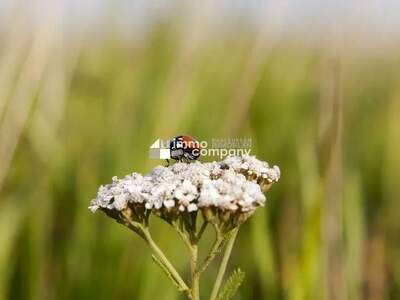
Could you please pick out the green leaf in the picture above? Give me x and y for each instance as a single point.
(231, 285)
(165, 269)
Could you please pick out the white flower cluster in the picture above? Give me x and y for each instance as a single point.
(235, 184)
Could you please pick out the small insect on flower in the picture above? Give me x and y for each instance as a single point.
(184, 148)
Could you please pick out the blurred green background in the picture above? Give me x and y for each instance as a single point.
(85, 88)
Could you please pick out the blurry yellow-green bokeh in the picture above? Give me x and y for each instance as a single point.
(78, 106)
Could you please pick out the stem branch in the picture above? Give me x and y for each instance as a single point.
(224, 263)
(161, 256)
(182, 234)
(144, 232)
(195, 291)
(216, 248)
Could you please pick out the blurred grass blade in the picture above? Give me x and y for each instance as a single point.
(354, 230)
(263, 253)
(11, 216)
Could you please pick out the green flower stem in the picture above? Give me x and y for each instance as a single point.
(143, 231)
(224, 263)
(216, 248)
(161, 256)
(183, 236)
(195, 291)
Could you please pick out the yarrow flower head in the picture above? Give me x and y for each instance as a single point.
(225, 192)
